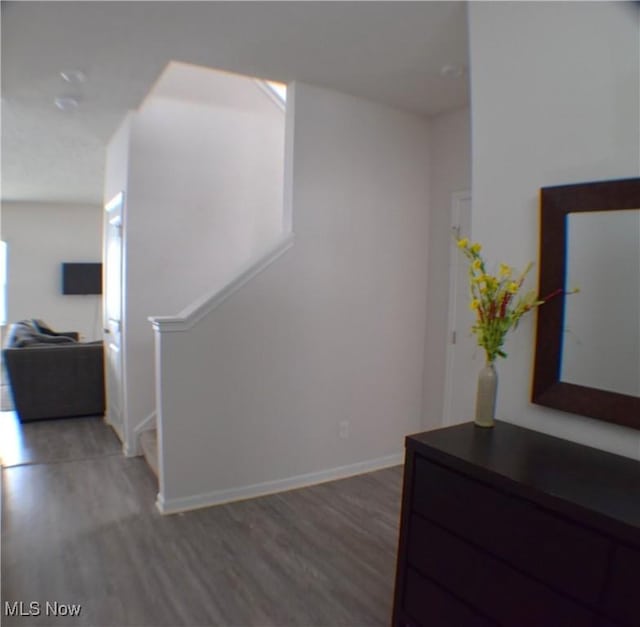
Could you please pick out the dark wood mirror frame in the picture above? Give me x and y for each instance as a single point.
(548, 389)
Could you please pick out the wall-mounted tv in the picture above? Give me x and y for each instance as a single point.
(82, 278)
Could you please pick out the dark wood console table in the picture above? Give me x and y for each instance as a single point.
(511, 527)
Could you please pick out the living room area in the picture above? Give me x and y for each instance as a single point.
(51, 299)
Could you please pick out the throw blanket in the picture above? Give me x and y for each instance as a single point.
(33, 332)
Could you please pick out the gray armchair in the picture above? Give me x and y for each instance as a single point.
(56, 377)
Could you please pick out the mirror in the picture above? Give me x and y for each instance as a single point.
(601, 342)
(587, 358)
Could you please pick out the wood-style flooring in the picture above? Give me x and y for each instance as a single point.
(79, 526)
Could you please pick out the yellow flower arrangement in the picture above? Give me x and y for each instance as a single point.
(495, 300)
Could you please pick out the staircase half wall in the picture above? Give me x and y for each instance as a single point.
(310, 366)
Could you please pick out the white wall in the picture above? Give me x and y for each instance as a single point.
(40, 238)
(450, 150)
(203, 195)
(116, 175)
(555, 93)
(332, 331)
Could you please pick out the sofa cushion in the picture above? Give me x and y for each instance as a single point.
(52, 339)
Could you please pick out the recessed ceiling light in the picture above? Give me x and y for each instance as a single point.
(73, 76)
(67, 103)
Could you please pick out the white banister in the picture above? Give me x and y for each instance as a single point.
(189, 316)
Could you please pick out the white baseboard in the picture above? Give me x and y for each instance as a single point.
(217, 497)
(130, 451)
(133, 449)
(117, 428)
(127, 450)
(149, 423)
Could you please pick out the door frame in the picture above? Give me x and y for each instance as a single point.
(117, 202)
(460, 202)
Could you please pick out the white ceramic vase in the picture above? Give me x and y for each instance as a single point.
(486, 397)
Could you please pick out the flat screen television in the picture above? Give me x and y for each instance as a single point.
(82, 278)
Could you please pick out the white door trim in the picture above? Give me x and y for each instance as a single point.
(459, 200)
(114, 217)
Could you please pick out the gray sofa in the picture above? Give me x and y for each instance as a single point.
(51, 374)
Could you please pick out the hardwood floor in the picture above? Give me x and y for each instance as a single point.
(46, 441)
(81, 527)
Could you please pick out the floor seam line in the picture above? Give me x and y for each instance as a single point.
(61, 461)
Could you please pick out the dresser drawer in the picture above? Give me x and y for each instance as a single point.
(429, 604)
(486, 583)
(623, 592)
(567, 556)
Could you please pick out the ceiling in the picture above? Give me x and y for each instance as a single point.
(390, 52)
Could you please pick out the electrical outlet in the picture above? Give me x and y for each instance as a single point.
(343, 429)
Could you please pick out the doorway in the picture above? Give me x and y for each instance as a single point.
(112, 317)
(459, 395)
